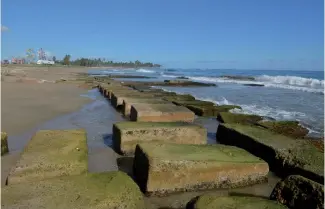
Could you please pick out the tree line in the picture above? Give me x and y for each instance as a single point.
(98, 62)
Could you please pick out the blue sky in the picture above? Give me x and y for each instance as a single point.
(250, 34)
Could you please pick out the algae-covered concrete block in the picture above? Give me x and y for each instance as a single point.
(227, 117)
(51, 153)
(4, 143)
(128, 102)
(160, 113)
(110, 91)
(126, 135)
(288, 128)
(86, 191)
(298, 192)
(118, 97)
(285, 155)
(161, 168)
(233, 202)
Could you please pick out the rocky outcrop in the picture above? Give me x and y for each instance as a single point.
(285, 155)
(126, 135)
(49, 154)
(298, 192)
(160, 113)
(238, 77)
(4, 143)
(86, 191)
(162, 168)
(233, 202)
(227, 117)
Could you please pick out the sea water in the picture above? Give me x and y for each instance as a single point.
(285, 95)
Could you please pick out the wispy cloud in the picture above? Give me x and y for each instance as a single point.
(4, 28)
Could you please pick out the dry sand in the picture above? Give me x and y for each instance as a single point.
(29, 96)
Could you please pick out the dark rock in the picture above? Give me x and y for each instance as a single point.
(253, 84)
(238, 77)
(298, 192)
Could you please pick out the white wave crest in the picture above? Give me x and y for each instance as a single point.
(292, 80)
(284, 82)
(145, 71)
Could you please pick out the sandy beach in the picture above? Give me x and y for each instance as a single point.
(31, 97)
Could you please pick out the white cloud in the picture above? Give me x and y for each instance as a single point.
(4, 28)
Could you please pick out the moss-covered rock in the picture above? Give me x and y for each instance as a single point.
(118, 97)
(161, 168)
(194, 102)
(285, 155)
(227, 117)
(126, 135)
(4, 143)
(51, 153)
(160, 113)
(288, 128)
(298, 192)
(233, 202)
(88, 191)
(211, 110)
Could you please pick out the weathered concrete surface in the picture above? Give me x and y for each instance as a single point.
(286, 156)
(227, 117)
(51, 153)
(180, 97)
(160, 113)
(298, 192)
(95, 191)
(128, 102)
(233, 202)
(287, 128)
(4, 143)
(126, 135)
(211, 110)
(161, 168)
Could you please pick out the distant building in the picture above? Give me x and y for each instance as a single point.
(5, 62)
(17, 61)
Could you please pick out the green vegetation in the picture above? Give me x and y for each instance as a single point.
(108, 63)
(234, 202)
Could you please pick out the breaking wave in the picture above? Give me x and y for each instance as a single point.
(144, 71)
(285, 82)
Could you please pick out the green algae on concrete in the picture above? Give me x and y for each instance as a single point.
(89, 191)
(195, 102)
(51, 153)
(127, 103)
(233, 202)
(211, 110)
(118, 97)
(160, 113)
(126, 135)
(162, 168)
(288, 128)
(298, 192)
(285, 155)
(180, 97)
(4, 143)
(227, 117)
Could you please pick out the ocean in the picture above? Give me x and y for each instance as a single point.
(286, 95)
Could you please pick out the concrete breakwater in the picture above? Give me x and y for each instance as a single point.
(169, 157)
